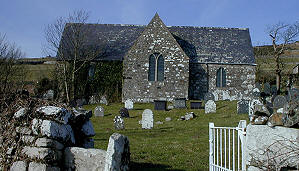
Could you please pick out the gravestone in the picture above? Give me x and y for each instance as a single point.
(252, 104)
(147, 119)
(209, 96)
(160, 104)
(180, 103)
(273, 90)
(49, 95)
(293, 95)
(210, 107)
(99, 111)
(243, 106)
(124, 112)
(279, 102)
(104, 100)
(258, 85)
(119, 122)
(267, 88)
(196, 105)
(256, 92)
(129, 104)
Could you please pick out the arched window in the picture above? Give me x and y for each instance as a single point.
(152, 68)
(156, 67)
(221, 78)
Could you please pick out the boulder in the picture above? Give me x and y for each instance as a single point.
(33, 166)
(266, 146)
(259, 120)
(81, 159)
(88, 143)
(53, 130)
(261, 110)
(19, 166)
(118, 153)
(60, 115)
(275, 120)
(45, 154)
(20, 113)
(87, 129)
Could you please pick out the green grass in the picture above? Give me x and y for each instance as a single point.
(174, 145)
(39, 71)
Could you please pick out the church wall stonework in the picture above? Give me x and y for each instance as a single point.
(156, 38)
(240, 81)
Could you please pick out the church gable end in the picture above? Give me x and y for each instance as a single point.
(155, 68)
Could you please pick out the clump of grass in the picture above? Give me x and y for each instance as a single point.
(174, 145)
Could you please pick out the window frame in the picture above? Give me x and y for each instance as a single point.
(156, 56)
(221, 77)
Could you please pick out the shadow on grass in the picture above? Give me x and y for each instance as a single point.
(108, 114)
(222, 107)
(150, 167)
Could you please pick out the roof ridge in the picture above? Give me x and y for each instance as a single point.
(224, 28)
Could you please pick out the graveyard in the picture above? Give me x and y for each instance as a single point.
(172, 145)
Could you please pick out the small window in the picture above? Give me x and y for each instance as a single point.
(221, 78)
(156, 67)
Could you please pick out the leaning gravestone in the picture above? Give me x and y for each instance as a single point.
(279, 102)
(210, 107)
(147, 119)
(119, 122)
(293, 95)
(99, 111)
(129, 104)
(209, 96)
(243, 106)
(124, 112)
(267, 88)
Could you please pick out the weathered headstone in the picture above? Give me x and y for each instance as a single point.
(209, 96)
(160, 104)
(273, 90)
(147, 119)
(210, 107)
(124, 112)
(118, 153)
(119, 122)
(243, 106)
(94, 99)
(258, 85)
(252, 104)
(129, 104)
(49, 95)
(99, 111)
(180, 103)
(256, 92)
(293, 95)
(104, 100)
(196, 105)
(267, 88)
(279, 101)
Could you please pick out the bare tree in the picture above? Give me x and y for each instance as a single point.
(10, 71)
(281, 35)
(68, 38)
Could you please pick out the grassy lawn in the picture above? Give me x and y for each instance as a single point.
(174, 145)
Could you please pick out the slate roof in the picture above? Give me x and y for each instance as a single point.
(201, 44)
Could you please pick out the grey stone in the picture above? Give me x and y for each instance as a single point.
(34, 166)
(273, 90)
(209, 96)
(88, 143)
(243, 106)
(60, 114)
(49, 95)
(159, 123)
(46, 142)
(19, 166)
(279, 101)
(119, 122)
(94, 99)
(267, 88)
(167, 119)
(124, 112)
(147, 119)
(81, 114)
(118, 153)
(169, 107)
(81, 159)
(252, 105)
(189, 116)
(10, 150)
(23, 130)
(258, 85)
(261, 110)
(259, 120)
(129, 104)
(45, 154)
(53, 129)
(99, 111)
(256, 92)
(87, 129)
(180, 103)
(27, 139)
(291, 114)
(104, 100)
(210, 107)
(271, 146)
(293, 94)
(20, 113)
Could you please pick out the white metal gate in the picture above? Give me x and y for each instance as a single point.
(227, 148)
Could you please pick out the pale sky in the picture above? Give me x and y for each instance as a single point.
(24, 21)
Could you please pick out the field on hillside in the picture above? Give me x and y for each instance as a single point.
(174, 145)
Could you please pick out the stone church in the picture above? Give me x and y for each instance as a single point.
(167, 62)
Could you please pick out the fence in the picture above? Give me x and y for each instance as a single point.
(227, 148)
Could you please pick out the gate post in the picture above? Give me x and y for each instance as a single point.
(242, 134)
(211, 141)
